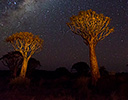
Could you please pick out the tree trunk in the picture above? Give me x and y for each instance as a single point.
(15, 71)
(24, 68)
(93, 64)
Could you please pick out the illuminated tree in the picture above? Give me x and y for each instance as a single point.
(92, 27)
(27, 44)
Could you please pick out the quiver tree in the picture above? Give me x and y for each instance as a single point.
(27, 44)
(92, 27)
(13, 60)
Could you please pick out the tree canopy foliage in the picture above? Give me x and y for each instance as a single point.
(26, 43)
(92, 27)
(81, 68)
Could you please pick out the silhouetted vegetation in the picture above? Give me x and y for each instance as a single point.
(13, 60)
(82, 68)
(62, 71)
(49, 85)
(103, 71)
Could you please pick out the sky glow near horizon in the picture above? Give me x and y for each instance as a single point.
(62, 48)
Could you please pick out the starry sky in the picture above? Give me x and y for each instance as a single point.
(62, 48)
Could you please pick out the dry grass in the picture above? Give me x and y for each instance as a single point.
(63, 88)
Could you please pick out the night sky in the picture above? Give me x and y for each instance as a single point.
(62, 48)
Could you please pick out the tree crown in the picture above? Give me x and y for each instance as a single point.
(92, 27)
(25, 42)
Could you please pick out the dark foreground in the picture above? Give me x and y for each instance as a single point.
(50, 86)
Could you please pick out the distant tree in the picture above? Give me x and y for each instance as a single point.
(32, 65)
(92, 27)
(13, 60)
(27, 44)
(81, 68)
(103, 71)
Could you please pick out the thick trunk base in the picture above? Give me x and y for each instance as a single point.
(94, 65)
(24, 68)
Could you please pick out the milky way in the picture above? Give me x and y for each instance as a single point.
(62, 48)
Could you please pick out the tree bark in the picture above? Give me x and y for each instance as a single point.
(24, 68)
(94, 64)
